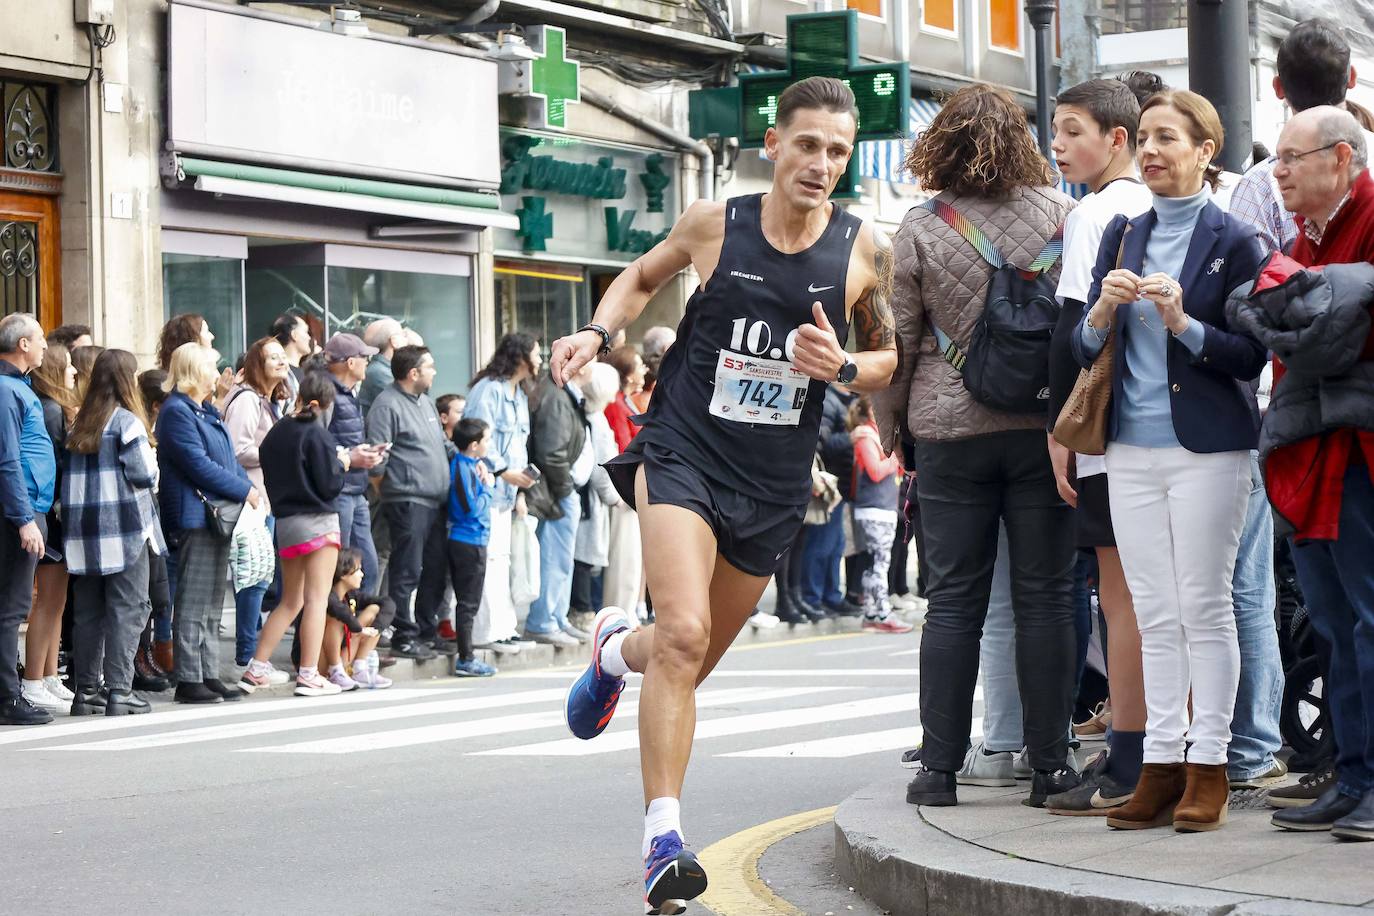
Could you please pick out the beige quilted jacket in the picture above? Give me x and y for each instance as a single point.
(937, 273)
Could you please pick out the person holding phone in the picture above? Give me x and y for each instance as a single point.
(346, 359)
(498, 397)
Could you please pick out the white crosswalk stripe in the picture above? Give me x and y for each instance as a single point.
(452, 731)
(803, 673)
(97, 724)
(715, 728)
(889, 739)
(320, 720)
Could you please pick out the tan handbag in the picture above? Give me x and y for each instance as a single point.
(1082, 423)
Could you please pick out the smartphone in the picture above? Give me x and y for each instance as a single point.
(382, 447)
(533, 473)
(51, 554)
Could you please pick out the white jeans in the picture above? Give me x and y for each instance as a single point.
(496, 615)
(1178, 517)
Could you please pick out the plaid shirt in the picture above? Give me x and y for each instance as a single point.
(1256, 200)
(109, 510)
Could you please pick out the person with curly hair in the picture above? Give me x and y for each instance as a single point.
(978, 467)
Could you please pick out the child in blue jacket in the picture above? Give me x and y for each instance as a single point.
(469, 527)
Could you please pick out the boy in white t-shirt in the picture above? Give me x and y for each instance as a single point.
(1094, 143)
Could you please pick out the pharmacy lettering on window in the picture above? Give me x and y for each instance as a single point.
(584, 200)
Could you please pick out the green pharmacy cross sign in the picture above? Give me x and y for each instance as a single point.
(554, 78)
(818, 44)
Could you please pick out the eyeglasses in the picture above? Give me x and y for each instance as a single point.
(1291, 159)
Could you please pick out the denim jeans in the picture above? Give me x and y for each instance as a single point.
(557, 538)
(355, 530)
(1255, 725)
(162, 618)
(1339, 587)
(1002, 728)
(821, 561)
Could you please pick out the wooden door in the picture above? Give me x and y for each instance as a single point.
(30, 257)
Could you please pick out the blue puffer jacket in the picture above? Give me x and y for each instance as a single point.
(194, 453)
(348, 429)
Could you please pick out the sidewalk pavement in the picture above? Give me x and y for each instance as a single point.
(992, 855)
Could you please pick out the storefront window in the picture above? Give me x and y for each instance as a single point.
(538, 299)
(436, 306)
(213, 287)
(273, 291)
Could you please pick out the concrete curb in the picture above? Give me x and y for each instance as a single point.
(901, 862)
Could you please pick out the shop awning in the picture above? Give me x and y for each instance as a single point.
(454, 207)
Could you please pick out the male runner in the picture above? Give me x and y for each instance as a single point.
(721, 471)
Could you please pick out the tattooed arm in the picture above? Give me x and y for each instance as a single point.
(817, 350)
(874, 329)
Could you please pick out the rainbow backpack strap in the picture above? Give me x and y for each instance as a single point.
(960, 223)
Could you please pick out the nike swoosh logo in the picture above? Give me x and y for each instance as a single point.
(818, 289)
(1097, 801)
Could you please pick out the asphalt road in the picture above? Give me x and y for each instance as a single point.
(440, 797)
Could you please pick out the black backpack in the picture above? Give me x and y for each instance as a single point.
(1007, 364)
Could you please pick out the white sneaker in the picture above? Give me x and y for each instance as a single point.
(58, 689)
(36, 692)
(378, 680)
(339, 678)
(901, 602)
(763, 621)
(316, 686)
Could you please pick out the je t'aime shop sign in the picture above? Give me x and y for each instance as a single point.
(260, 90)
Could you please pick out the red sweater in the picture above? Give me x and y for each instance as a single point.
(618, 414)
(1304, 479)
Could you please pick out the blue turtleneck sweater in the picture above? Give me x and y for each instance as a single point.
(1145, 417)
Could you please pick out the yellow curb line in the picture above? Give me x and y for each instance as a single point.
(779, 643)
(732, 865)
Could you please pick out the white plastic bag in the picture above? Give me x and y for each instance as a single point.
(252, 559)
(524, 560)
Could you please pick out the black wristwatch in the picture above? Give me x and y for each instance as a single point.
(605, 336)
(848, 372)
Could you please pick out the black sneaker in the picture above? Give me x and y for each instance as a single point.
(19, 711)
(1043, 785)
(1320, 815)
(1358, 824)
(416, 650)
(125, 703)
(1304, 792)
(911, 759)
(197, 693)
(935, 788)
(88, 702)
(1094, 796)
(850, 608)
(229, 693)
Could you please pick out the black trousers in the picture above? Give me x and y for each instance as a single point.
(467, 570)
(965, 487)
(418, 535)
(16, 600)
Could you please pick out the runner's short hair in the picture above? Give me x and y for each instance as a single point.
(1109, 102)
(824, 92)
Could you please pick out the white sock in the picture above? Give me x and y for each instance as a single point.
(642, 610)
(259, 669)
(335, 669)
(664, 815)
(612, 662)
(36, 685)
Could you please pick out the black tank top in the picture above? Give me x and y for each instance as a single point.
(727, 400)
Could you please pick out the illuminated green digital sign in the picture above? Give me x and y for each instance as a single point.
(827, 44)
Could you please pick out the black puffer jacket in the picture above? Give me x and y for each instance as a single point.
(1316, 322)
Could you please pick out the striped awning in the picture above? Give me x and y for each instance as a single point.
(882, 159)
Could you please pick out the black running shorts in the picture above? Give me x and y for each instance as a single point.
(752, 535)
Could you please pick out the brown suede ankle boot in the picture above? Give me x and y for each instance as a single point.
(162, 654)
(1161, 786)
(1203, 806)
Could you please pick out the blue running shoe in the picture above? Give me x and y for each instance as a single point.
(472, 668)
(592, 698)
(672, 876)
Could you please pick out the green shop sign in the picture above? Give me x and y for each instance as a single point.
(553, 185)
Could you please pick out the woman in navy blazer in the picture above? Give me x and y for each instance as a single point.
(1183, 421)
(195, 459)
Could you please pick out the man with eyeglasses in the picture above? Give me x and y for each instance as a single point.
(1313, 69)
(1324, 483)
